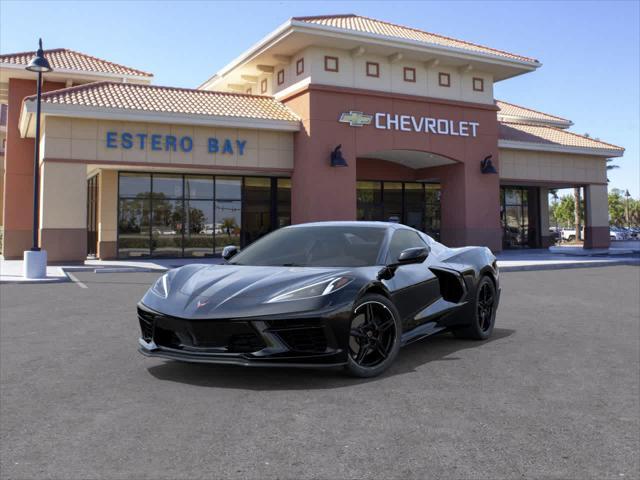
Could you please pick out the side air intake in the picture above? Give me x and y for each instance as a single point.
(452, 288)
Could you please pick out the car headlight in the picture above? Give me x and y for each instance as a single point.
(317, 289)
(161, 287)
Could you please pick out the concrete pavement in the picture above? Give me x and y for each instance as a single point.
(554, 394)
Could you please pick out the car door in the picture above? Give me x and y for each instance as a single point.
(413, 287)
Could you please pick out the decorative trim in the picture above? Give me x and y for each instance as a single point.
(280, 77)
(300, 66)
(384, 95)
(328, 60)
(263, 86)
(128, 115)
(373, 69)
(248, 91)
(554, 147)
(444, 79)
(171, 166)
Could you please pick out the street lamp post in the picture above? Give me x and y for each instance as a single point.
(626, 208)
(35, 260)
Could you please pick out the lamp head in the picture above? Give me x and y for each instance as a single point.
(39, 62)
(337, 160)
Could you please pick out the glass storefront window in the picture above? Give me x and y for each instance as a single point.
(412, 203)
(135, 185)
(392, 202)
(283, 202)
(518, 217)
(133, 227)
(256, 217)
(369, 200)
(196, 215)
(199, 228)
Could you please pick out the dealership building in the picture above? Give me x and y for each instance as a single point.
(337, 117)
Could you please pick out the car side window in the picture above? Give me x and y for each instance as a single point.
(401, 240)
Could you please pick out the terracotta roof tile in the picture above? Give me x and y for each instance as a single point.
(152, 98)
(65, 59)
(513, 110)
(517, 132)
(370, 25)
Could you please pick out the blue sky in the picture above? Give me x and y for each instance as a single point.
(589, 50)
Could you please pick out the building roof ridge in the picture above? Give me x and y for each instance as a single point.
(445, 37)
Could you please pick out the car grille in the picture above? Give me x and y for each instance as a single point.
(223, 336)
(300, 335)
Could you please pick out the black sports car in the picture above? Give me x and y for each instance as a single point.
(321, 294)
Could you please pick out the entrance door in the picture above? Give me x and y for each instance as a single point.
(519, 217)
(92, 216)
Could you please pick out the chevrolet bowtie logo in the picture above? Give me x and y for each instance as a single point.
(355, 119)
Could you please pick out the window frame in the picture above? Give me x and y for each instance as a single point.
(263, 85)
(397, 231)
(327, 59)
(377, 67)
(300, 66)
(407, 70)
(480, 82)
(280, 76)
(441, 79)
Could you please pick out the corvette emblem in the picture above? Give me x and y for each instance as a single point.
(201, 303)
(355, 119)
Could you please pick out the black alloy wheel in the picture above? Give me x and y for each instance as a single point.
(485, 306)
(484, 312)
(374, 338)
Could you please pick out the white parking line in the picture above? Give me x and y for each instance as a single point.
(75, 280)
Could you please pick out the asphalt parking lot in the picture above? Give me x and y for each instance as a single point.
(554, 394)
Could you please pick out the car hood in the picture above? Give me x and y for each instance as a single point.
(231, 291)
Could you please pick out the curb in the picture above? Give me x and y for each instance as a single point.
(566, 266)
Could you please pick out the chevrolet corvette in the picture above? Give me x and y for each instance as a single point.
(323, 294)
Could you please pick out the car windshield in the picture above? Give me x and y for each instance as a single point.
(315, 246)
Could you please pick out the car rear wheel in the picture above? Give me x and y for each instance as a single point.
(374, 338)
(484, 309)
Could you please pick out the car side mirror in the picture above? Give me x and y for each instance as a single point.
(406, 257)
(229, 251)
(413, 255)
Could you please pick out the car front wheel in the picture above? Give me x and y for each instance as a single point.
(374, 339)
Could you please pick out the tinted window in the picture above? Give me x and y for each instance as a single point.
(401, 240)
(340, 246)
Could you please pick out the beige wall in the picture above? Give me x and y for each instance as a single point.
(63, 195)
(108, 206)
(552, 167)
(80, 139)
(352, 73)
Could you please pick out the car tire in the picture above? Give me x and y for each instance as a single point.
(571, 238)
(363, 336)
(482, 324)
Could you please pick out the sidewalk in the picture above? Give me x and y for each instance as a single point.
(508, 261)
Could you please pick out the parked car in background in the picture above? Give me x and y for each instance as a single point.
(618, 234)
(569, 234)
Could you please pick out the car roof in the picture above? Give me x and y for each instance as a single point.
(351, 223)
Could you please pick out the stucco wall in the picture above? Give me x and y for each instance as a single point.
(85, 140)
(551, 167)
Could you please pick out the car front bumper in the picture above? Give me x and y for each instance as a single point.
(287, 341)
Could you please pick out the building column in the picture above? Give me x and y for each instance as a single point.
(318, 190)
(63, 211)
(546, 240)
(18, 174)
(107, 214)
(596, 216)
(470, 206)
